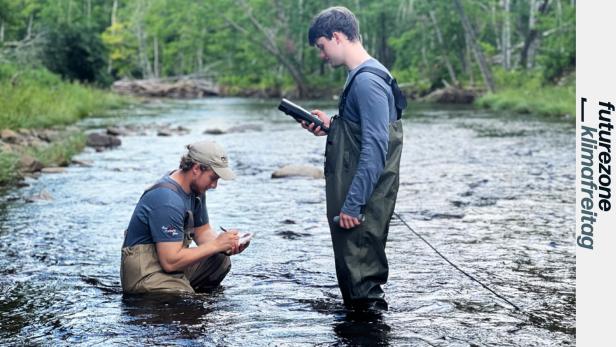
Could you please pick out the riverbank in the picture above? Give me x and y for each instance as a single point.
(530, 93)
(550, 101)
(37, 107)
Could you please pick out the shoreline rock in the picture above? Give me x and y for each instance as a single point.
(452, 95)
(295, 170)
(182, 88)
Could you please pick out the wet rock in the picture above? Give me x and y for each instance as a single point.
(291, 235)
(167, 131)
(52, 170)
(298, 171)
(182, 130)
(49, 135)
(102, 141)
(42, 196)
(242, 128)
(28, 164)
(21, 184)
(85, 163)
(8, 136)
(116, 131)
(214, 131)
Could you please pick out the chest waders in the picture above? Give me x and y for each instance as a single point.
(361, 263)
(141, 272)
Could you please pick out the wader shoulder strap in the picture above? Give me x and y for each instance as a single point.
(189, 224)
(161, 185)
(399, 98)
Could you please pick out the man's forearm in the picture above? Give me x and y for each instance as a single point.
(204, 234)
(184, 257)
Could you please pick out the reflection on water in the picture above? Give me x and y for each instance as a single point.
(494, 193)
(362, 328)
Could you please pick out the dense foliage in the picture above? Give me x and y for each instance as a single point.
(262, 44)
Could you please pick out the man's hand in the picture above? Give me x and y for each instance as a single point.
(348, 222)
(311, 127)
(227, 242)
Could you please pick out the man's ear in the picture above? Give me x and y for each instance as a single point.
(338, 36)
(196, 169)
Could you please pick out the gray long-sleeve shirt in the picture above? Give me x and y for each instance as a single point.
(370, 103)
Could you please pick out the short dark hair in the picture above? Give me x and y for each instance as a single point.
(337, 18)
(187, 163)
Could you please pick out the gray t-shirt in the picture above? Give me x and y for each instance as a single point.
(159, 215)
(370, 103)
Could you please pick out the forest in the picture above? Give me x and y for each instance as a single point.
(494, 45)
(59, 58)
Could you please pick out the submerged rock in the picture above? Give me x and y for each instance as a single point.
(298, 171)
(242, 128)
(102, 141)
(214, 131)
(52, 170)
(42, 196)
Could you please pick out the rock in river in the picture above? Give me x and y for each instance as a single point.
(298, 171)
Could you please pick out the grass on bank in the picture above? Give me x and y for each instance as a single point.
(36, 98)
(527, 93)
(58, 153)
(8, 167)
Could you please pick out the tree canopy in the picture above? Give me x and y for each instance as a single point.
(262, 44)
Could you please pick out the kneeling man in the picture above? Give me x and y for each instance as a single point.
(171, 214)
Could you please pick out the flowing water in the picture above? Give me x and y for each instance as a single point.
(493, 192)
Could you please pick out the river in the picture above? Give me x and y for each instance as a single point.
(493, 192)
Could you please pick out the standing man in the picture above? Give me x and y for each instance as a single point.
(362, 159)
(169, 216)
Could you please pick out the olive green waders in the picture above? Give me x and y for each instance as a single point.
(140, 270)
(361, 263)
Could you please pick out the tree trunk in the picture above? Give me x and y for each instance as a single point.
(301, 41)
(200, 49)
(156, 65)
(559, 24)
(89, 11)
(483, 65)
(29, 31)
(469, 61)
(267, 41)
(531, 40)
(114, 10)
(69, 12)
(499, 41)
(1, 31)
(506, 33)
(441, 43)
(146, 68)
(384, 52)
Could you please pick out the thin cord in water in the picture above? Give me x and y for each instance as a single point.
(454, 265)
